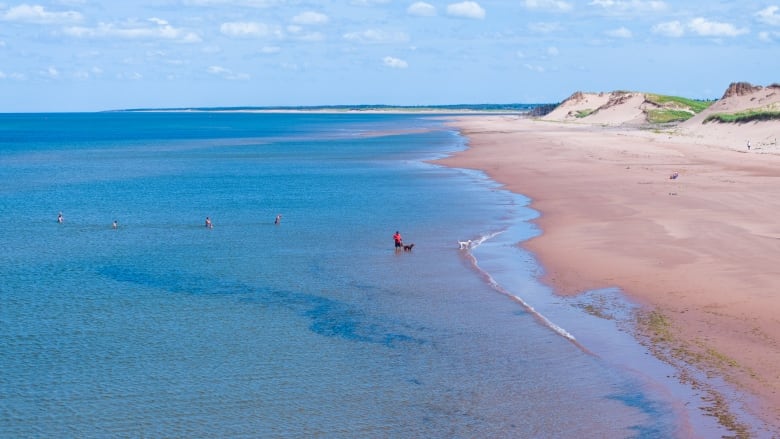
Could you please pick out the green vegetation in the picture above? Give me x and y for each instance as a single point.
(599, 311)
(744, 116)
(583, 113)
(695, 105)
(657, 326)
(666, 346)
(668, 116)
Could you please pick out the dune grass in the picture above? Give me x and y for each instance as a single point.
(583, 113)
(695, 105)
(744, 116)
(668, 115)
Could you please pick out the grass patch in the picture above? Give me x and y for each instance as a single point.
(668, 115)
(695, 105)
(744, 116)
(583, 113)
(597, 311)
(657, 326)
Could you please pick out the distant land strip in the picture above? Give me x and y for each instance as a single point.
(522, 108)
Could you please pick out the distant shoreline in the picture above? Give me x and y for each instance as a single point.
(423, 109)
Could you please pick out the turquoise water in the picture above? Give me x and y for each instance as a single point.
(313, 327)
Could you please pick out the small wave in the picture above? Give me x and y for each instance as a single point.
(496, 286)
(477, 242)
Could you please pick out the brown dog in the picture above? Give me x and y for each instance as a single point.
(408, 247)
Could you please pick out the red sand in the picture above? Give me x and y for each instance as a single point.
(703, 248)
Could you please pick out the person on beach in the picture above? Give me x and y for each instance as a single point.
(115, 225)
(59, 218)
(748, 145)
(208, 223)
(399, 242)
(278, 219)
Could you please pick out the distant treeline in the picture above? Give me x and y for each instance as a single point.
(542, 110)
(514, 108)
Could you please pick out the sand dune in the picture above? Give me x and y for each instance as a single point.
(740, 97)
(631, 110)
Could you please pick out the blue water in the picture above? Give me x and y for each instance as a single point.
(314, 327)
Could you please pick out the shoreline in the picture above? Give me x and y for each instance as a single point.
(696, 252)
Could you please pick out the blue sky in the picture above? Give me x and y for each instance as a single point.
(84, 55)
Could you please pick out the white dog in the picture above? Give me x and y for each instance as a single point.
(464, 245)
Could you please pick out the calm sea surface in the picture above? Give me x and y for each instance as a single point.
(313, 327)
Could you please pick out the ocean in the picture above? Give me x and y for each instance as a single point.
(312, 327)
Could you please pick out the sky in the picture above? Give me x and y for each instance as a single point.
(93, 55)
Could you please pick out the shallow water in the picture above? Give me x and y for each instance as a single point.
(313, 327)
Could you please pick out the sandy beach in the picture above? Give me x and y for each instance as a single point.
(700, 251)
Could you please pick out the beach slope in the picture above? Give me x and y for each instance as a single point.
(683, 219)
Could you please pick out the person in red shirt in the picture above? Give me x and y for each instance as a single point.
(399, 242)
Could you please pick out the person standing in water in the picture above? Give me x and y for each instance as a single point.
(278, 219)
(399, 242)
(59, 218)
(208, 223)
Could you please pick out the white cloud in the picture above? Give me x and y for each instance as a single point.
(769, 15)
(250, 29)
(669, 29)
(620, 32)
(553, 51)
(377, 36)
(299, 33)
(308, 36)
(395, 63)
(623, 6)
(270, 49)
(13, 75)
(544, 28)
(227, 73)
(217, 70)
(310, 18)
(369, 2)
(535, 68)
(39, 15)
(768, 37)
(466, 9)
(699, 26)
(421, 9)
(131, 76)
(51, 72)
(134, 30)
(706, 28)
(248, 3)
(550, 5)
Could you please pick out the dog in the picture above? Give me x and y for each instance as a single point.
(408, 247)
(464, 245)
